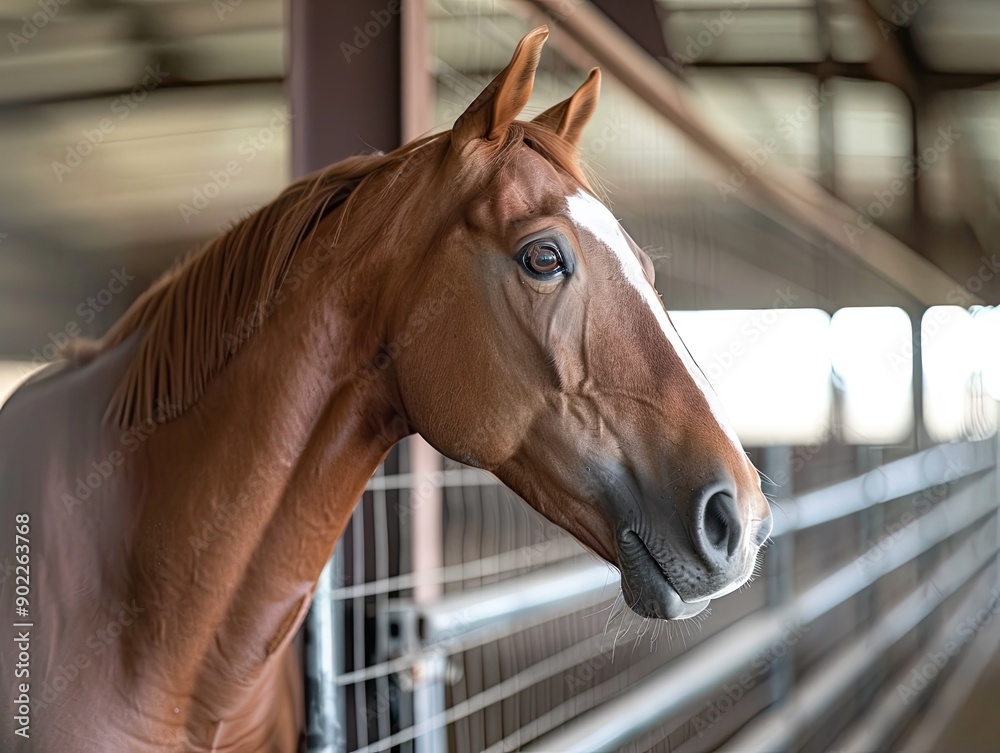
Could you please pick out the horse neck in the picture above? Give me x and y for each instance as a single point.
(258, 481)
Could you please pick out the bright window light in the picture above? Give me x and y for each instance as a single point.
(987, 324)
(872, 354)
(955, 403)
(770, 367)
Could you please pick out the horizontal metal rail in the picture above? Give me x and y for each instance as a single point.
(552, 666)
(711, 663)
(473, 616)
(458, 477)
(926, 734)
(891, 709)
(522, 558)
(910, 475)
(465, 619)
(778, 727)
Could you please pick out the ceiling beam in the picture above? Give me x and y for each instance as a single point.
(793, 199)
(640, 19)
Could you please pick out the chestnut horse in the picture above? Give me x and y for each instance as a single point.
(178, 487)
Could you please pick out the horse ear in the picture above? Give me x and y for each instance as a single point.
(570, 117)
(499, 103)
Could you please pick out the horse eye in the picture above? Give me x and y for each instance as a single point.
(542, 258)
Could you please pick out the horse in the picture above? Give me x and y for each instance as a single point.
(177, 487)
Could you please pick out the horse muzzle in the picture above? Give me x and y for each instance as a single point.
(646, 588)
(673, 563)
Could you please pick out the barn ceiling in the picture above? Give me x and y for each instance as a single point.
(116, 115)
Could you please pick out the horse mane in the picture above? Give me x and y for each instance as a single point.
(187, 317)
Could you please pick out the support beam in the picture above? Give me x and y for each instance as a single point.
(791, 198)
(345, 91)
(640, 19)
(345, 84)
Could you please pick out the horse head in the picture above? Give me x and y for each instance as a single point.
(555, 366)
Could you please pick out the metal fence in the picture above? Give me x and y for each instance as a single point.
(454, 618)
(867, 584)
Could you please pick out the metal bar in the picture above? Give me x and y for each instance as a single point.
(541, 595)
(926, 735)
(472, 617)
(779, 563)
(714, 661)
(429, 730)
(321, 77)
(793, 199)
(871, 525)
(544, 594)
(890, 711)
(778, 728)
(497, 564)
(380, 539)
(909, 475)
(537, 673)
(416, 82)
(426, 524)
(358, 611)
(323, 662)
(456, 478)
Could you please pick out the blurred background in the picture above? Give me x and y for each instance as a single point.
(817, 182)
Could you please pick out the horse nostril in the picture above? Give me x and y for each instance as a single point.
(721, 526)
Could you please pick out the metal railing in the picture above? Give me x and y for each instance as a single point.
(720, 658)
(957, 530)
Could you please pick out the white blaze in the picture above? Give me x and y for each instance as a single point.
(592, 215)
